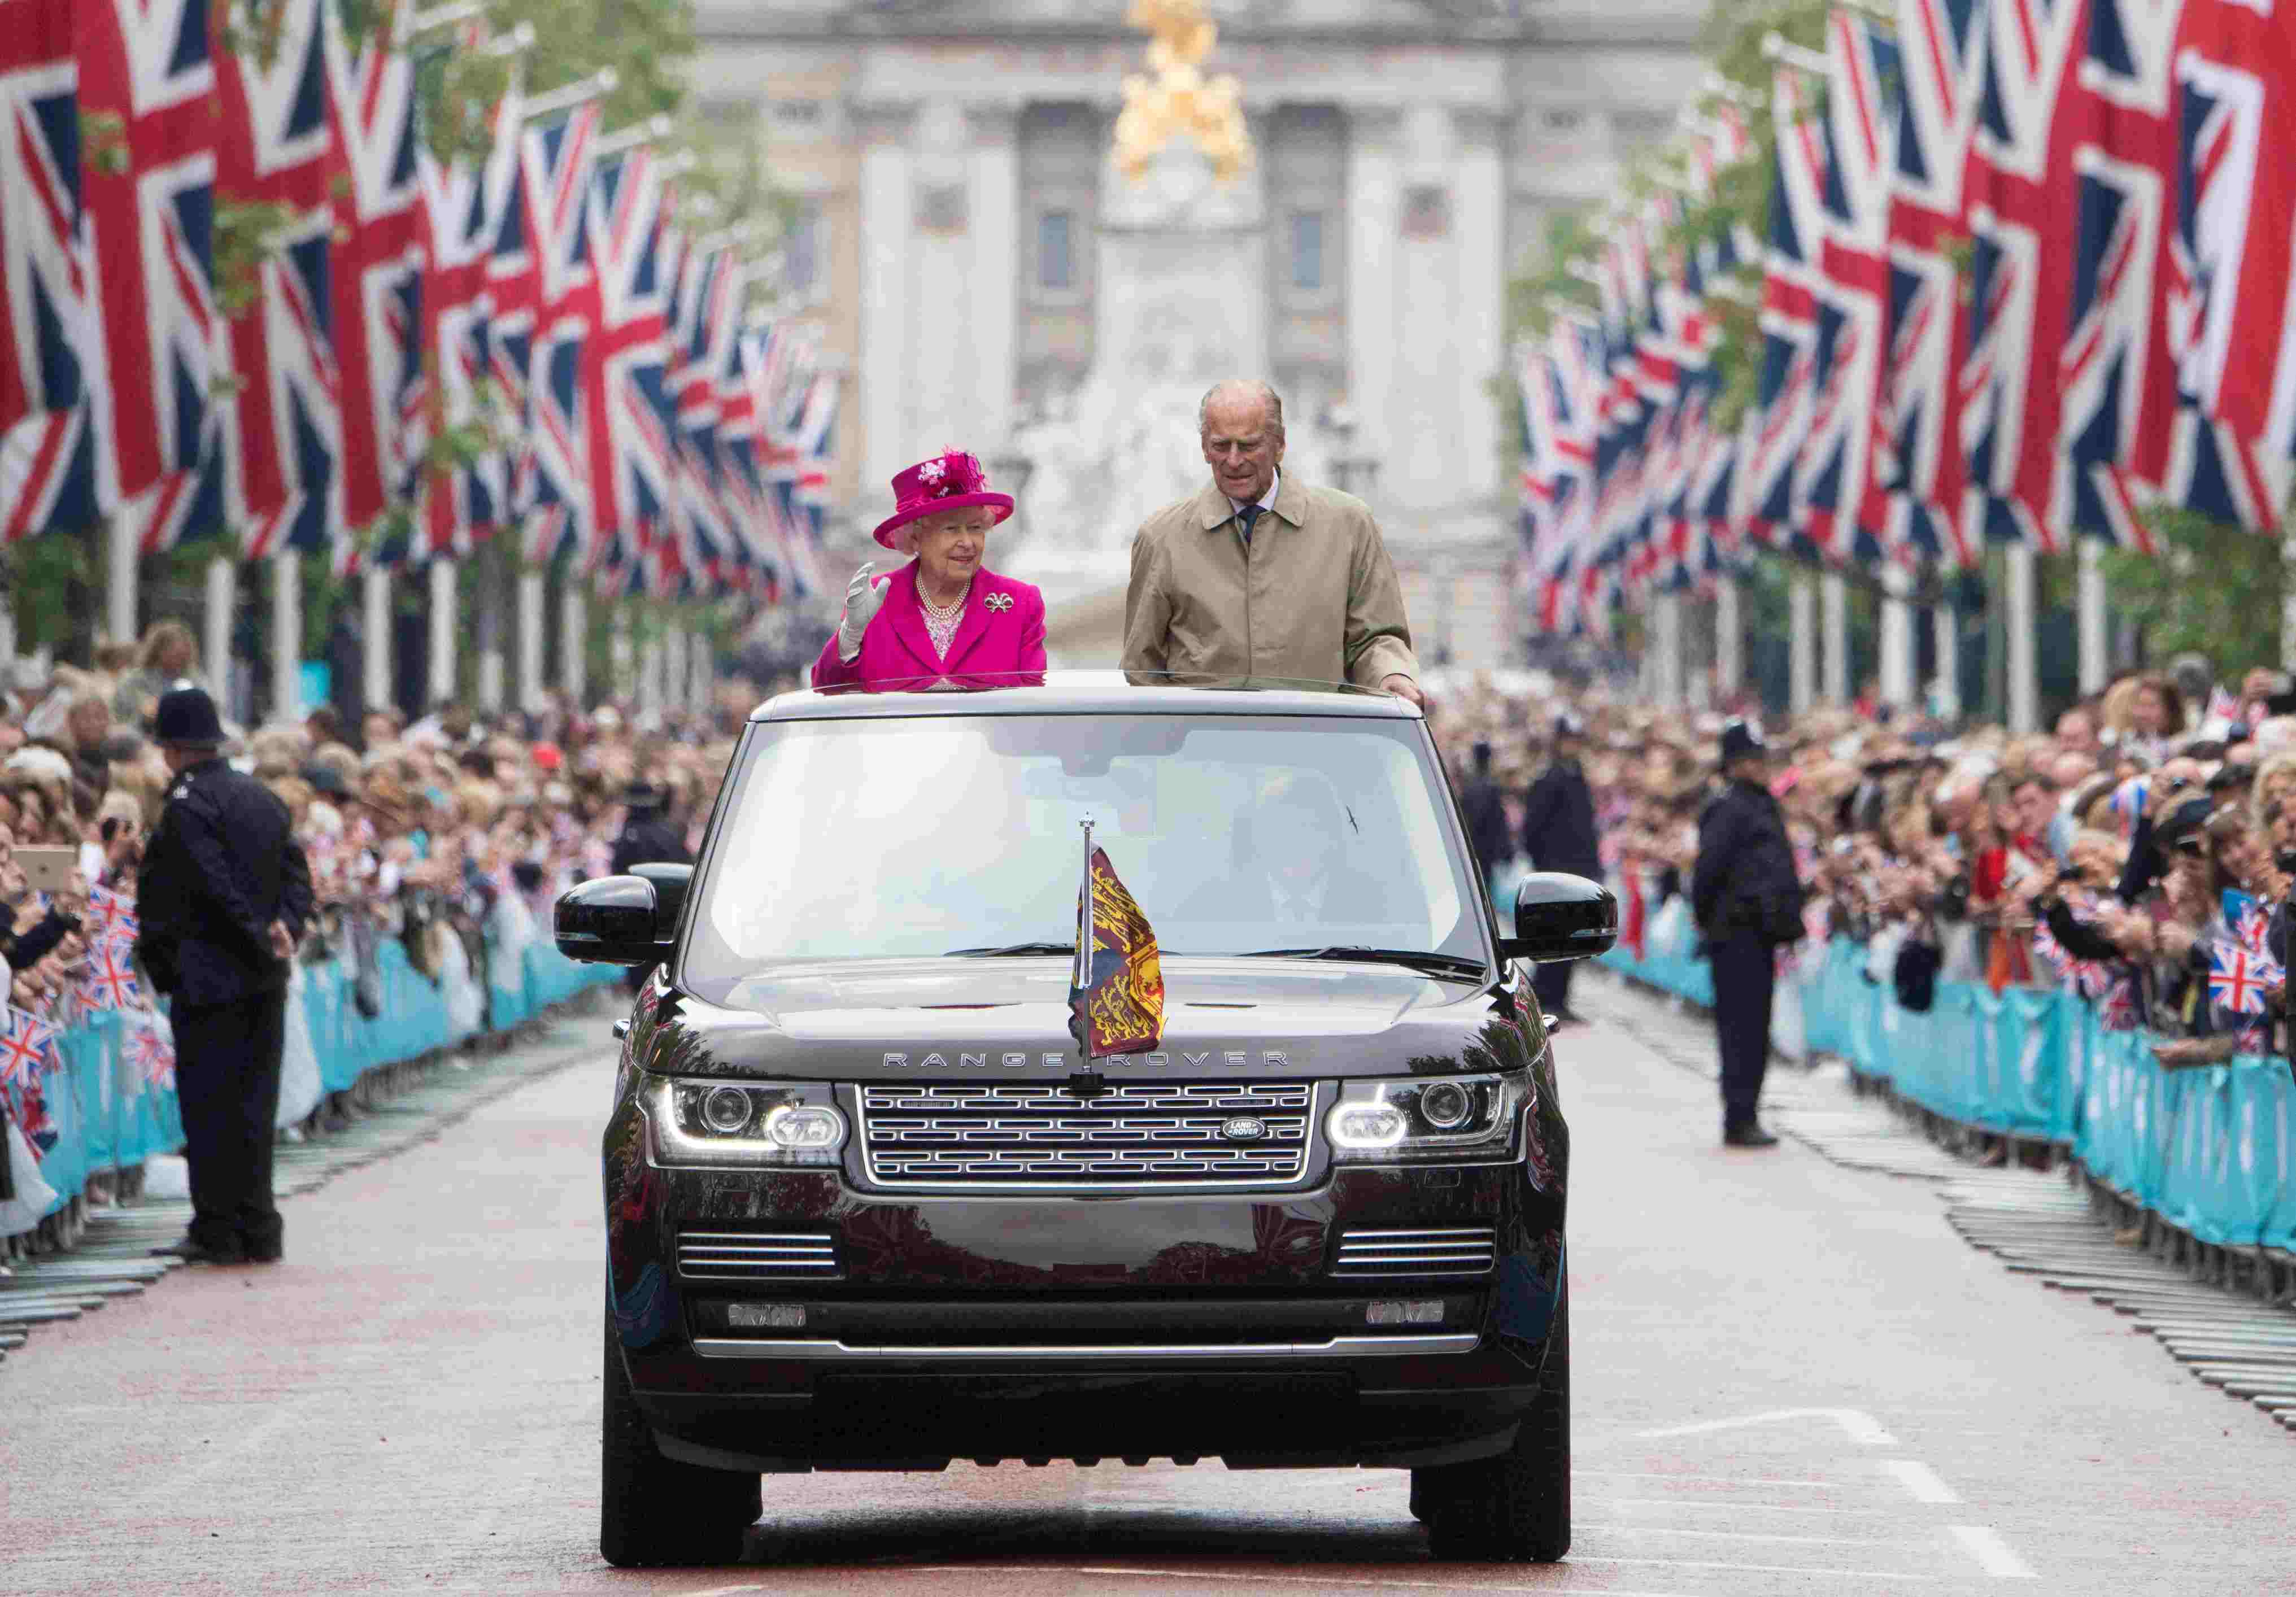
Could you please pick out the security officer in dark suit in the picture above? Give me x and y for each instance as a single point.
(1558, 833)
(647, 836)
(1747, 899)
(223, 900)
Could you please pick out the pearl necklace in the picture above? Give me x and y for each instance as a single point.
(941, 620)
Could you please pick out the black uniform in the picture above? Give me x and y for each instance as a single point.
(222, 867)
(647, 839)
(1483, 806)
(1558, 833)
(1747, 899)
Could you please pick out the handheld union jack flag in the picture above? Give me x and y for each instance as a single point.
(112, 983)
(2238, 980)
(151, 1053)
(111, 914)
(27, 1048)
(47, 456)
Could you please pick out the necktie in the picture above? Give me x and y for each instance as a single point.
(1248, 515)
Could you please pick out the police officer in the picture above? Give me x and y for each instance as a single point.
(1747, 899)
(1558, 833)
(1483, 806)
(647, 836)
(223, 898)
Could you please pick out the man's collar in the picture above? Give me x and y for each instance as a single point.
(1267, 501)
(1285, 497)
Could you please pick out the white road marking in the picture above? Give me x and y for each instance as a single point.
(1731, 1506)
(1728, 1480)
(1919, 1480)
(1995, 1556)
(1682, 1563)
(1858, 1426)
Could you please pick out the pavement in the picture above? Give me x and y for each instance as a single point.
(1791, 1376)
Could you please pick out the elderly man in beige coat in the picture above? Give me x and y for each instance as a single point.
(1261, 574)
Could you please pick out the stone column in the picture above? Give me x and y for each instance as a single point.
(222, 597)
(287, 635)
(120, 588)
(438, 685)
(1801, 658)
(1729, 639)
(885, 310)
(375, 626)
(574, 642)
(530, 640)
(1834, 593)
(1374, 198)
(2023, 621)
(1478, 318)
(2096, 671)
(995, 230)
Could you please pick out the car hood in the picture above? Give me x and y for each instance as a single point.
(999, 1019)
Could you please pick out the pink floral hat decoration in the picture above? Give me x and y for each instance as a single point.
(950, 482)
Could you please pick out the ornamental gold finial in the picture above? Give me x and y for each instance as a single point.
(1179, 101)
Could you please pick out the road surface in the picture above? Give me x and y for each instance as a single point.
(1789, 1376)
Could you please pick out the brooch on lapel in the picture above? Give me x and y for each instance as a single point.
(999, 602)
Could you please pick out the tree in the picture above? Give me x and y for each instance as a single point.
(2214, 589)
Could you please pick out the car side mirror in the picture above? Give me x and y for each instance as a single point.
(1559, 917)
(670, 883)
(617, 921)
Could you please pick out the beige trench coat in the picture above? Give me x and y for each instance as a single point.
(1313, 597)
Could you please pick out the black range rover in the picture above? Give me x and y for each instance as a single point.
(869, 1209)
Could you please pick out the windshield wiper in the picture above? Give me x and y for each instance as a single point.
(1414, 958)
(1015, 950)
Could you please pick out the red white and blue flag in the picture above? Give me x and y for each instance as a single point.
(47, 455)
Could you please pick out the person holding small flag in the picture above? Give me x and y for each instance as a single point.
(223, 897)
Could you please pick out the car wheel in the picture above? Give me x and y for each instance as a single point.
(1515, 1507)
(654, 1510)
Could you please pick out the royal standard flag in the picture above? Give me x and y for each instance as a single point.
(1116, 994)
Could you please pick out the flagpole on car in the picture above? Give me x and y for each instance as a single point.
(1080, 976)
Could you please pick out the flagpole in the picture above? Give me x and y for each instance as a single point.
(1080, 976)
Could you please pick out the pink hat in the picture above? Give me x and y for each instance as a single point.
(950, 482)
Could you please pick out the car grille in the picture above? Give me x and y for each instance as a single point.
(757, 1256)
(1021, 1135)
(1470, 1251)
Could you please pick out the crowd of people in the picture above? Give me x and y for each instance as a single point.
(450, 834)
(2140, 852)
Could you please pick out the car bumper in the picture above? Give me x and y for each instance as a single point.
(1178, 1326)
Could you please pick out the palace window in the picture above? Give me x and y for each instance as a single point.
(1307, 275)
(804, 269)
(1056, 250)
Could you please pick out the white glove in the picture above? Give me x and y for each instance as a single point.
(864, 598)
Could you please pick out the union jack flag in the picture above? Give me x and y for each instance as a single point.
(624, 358)
(111, 914)
(27, 1048)
(2238, 980)
(1840, 500)
(2118, 1009)
(282, 423)
(1786, 388)
(375, 269)
(47, 456)
(148, 188)
(741, 436)
(539, 260)
(461, 213)
(150, 1052)
(112, 983)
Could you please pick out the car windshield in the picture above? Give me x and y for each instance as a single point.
(872, 838)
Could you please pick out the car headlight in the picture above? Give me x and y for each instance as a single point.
(1434, 1119)
(737, 1123)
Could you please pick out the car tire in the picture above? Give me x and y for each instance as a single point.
(1515, 1507)
(655, 1511)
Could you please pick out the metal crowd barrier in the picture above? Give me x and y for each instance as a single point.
(2207, 1150)
(109, 1117)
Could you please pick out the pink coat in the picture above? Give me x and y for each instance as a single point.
(1001, 637)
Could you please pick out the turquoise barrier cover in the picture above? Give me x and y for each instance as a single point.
(107, 1117)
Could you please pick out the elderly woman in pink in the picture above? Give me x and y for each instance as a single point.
(944, 614)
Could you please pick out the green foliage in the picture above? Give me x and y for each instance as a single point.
(2213, 588)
